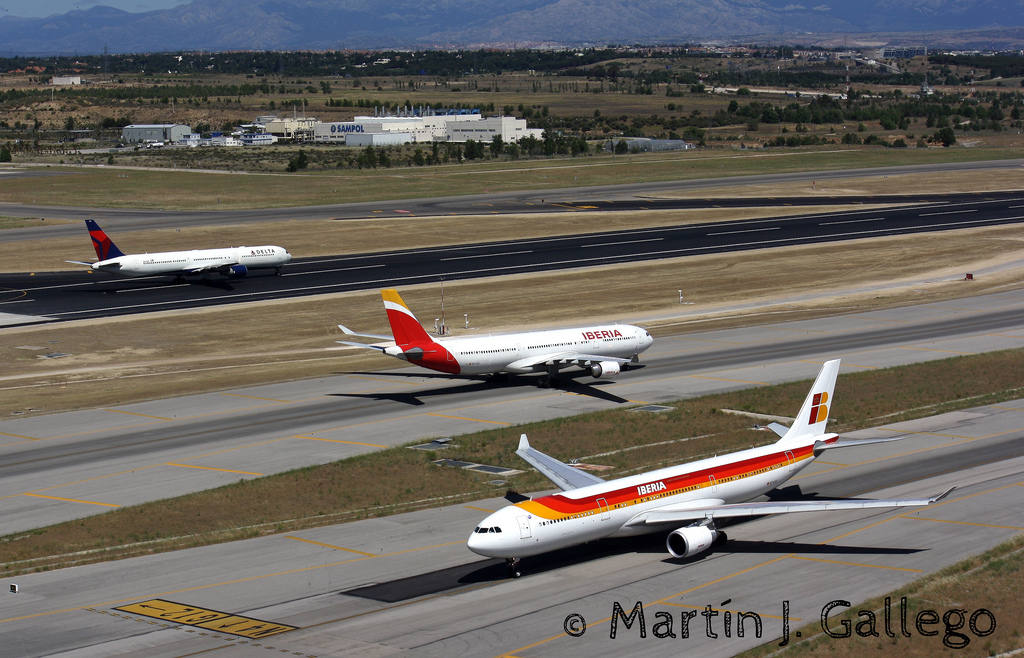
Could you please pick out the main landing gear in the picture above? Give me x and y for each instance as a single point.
(513, 567)
(550, 380)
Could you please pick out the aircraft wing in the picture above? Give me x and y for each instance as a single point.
(565, 477)
(562, 360)
(683, 513)
(211, 268)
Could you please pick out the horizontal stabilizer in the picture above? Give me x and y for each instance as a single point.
(80, 262)
(778, 428)
(670, 515)
(821, 446)
(349, 332)
(563, 476)
(379, 348)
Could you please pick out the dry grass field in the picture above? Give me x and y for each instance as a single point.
(187, 189)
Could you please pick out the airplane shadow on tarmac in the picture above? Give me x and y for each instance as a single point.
(568, 385)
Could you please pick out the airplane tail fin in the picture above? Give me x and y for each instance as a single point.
(814, 413)
(104, 246)
(404, 325)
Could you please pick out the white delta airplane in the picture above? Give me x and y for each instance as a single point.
(231, 262)
(603, 350)
(689, 496)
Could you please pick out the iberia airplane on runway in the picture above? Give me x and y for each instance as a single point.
(231, 261)
(602, 350)
(689, 496)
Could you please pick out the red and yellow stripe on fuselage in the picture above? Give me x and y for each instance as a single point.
(559, 506)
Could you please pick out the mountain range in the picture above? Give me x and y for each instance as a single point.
(218, 25)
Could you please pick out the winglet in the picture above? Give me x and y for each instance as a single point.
(104, 246)
(524, 443)
(942, 495)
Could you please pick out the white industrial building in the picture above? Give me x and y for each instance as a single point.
(420, 129)
(510, 129)
(378, 139)
(168, 133)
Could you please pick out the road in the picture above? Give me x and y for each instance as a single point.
(49, 297)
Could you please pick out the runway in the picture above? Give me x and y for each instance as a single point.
(56, 296)
(474, 204)
(64, 466)
(407, 586)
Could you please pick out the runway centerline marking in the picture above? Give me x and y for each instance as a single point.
(352, 443)
(210, 468)
(475, 420)
(854, 564)
(254, 397)
(132, 413)
(71, 500)
(337, 548)
(980, 525)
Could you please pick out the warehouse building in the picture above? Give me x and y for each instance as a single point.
(510, 129)
(168, 133)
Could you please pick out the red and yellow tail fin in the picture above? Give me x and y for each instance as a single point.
(814, 413)
(404, 325)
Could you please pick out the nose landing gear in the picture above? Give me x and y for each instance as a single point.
(513, 567)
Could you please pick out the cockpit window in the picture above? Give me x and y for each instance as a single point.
(492, 529)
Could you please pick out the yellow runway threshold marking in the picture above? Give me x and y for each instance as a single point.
(212, 620)
(71, 500)
(210, 468)
(337, 548)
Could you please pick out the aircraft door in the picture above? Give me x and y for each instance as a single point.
(524, 527)
(714, 483)
(791, 460)
(605, 512)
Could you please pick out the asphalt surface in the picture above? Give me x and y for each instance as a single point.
(47, 297)
(406, 585)
(63, 466)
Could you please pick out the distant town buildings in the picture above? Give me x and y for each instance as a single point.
(903, 52)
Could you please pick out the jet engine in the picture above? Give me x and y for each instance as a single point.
(688, 541)
(237, 271)
(606, 369)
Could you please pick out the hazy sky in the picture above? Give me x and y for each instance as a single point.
(39, 8)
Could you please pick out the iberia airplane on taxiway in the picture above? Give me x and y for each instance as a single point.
(688, 496)
(230, 261)
(602, 350)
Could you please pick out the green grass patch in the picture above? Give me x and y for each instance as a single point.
(399, 479)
